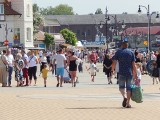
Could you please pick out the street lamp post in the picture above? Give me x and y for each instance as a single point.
(149, 15)
(106, 18)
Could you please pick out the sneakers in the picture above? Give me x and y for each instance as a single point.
(44, 85)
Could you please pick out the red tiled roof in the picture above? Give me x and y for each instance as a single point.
(8, 9)
(155, 30)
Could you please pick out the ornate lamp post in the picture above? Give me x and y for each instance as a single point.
(113, 29)
(149, 15)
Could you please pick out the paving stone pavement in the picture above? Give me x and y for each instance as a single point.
(88, 101)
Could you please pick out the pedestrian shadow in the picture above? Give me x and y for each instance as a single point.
(91, 108)
(103, 84)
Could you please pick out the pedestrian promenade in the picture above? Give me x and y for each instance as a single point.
(88, 101)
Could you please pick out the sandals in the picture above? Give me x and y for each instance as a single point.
(124, 103)
(128, 106)
(57, 85)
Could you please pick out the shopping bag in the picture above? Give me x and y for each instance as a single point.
(137, 94)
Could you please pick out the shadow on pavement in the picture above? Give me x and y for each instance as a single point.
(89, 108)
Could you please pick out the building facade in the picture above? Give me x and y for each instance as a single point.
(16, 22)
(87, 27)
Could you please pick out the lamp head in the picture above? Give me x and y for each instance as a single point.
(111, 29)
(101, 25)
(157, 16)
(139, 10)
(108, 19)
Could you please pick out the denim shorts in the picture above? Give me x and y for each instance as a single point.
(60, 72)
(125, 82)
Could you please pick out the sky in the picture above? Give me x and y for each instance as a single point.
(114, 6)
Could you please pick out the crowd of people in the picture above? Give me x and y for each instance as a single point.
(124, 64)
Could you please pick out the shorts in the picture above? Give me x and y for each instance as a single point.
(108, 73)
(60, 72)
(93, 73)
(125, 82)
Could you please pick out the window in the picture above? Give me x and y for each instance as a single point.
(28, 34)
(1, 17)
(46, 29)
(16, 36)
(78, 32)
(1, 12)
(88, 32)
(1, 8)
(28, 10)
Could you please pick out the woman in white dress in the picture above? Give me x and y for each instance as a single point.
(3, 69)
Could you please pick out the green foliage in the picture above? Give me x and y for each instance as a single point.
(62, 9)
(35, 8)
(69, 36)
(38, 20)
(37, 17)
(99, 11)
(49, 39)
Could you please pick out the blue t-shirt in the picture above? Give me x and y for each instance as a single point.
(125, 57)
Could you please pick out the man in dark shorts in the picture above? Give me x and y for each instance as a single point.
(127, 71)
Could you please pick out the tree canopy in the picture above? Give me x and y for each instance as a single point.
(62, 9)
(69, 36)
(99, 11)
(49, 39)
(35, 8)
(37, 17)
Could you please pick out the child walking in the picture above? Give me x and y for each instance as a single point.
(139, 73)
(45, 74)
(92, 69)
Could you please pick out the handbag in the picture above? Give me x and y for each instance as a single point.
(136, 94)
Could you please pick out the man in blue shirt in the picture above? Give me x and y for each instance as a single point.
(127, 71)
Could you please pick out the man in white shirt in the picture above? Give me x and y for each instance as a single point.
(40, 53)
(61, 64)
(10, 59)
(77, 53)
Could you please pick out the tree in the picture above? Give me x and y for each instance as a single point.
(99, 11)
(69, 36)
(62, 9)
(35, 8)
(37, 17)
(49, 39)
(37, 20)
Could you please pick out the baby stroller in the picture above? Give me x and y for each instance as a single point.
(66, 77)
